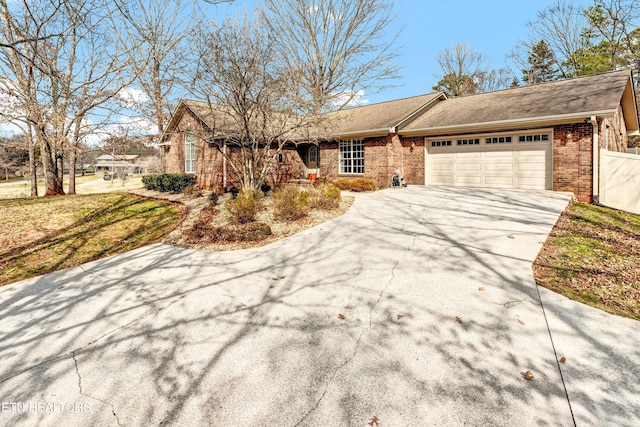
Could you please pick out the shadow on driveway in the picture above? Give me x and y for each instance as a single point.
(417, 307)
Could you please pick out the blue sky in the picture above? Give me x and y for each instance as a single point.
(492, 27)
(427, 27)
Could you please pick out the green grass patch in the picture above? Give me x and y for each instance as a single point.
(42, 235)
(593, 256)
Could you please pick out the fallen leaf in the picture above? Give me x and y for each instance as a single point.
(511, 236)
(183, 295)
(61, 287)
(341, 316)
(282, 277)
(481, 289)
(563, 359)
(458, 319)
(400, 316)
(374, 421)
(521, 322)
(274, 278)
(527, 375)
(271, 287)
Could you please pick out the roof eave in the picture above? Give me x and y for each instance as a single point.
(366, 133)
(629, 104)
(508, 124)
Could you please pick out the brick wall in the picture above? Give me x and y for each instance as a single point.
(413, 159)
(209, 160)
(573, 160)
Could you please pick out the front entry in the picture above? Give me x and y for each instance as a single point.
(311, 159)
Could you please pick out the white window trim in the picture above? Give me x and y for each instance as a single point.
(189, 154)
(350, 143)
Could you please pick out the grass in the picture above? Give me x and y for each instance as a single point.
(41, 235)
(22, 189)
(593, 256)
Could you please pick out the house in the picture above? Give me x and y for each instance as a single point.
(111, 162)
(546, 136)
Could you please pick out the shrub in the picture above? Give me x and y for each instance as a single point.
(203, 231)
(168, 182)
(192, 191)
(244, 208)
(325, 196)
(290, 203)
(356, 184)
(251, 232)
(213, 198)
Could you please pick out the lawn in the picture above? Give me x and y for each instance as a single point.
(593, 256)
(87, 184)
(40, 235)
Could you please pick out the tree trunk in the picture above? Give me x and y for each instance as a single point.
(72, 171)
(52, 175)
(33, 167)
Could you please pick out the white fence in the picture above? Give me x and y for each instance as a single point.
(620, 181)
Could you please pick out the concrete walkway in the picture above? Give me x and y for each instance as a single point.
(417, 307)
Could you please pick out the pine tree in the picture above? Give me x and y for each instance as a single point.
(541, 59)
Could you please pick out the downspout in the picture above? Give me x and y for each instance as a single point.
(224, 165)
(596, 161)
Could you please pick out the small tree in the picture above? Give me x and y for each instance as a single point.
(541, 60)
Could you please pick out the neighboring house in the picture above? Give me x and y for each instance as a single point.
(545, 136)
(110, 162)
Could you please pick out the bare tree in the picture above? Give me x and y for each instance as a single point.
(60, 81)
(465, 71)
(339, 47)
(159, 29)
(612, 22)
(251, 98)
(24, 33)
(564, 28)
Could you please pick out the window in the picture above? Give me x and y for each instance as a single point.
(498, 140)
(534, 138)
(312, 157)
(470, 141)
(441, 143)
(189, 153)
(351, 156)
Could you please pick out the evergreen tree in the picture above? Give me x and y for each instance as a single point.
(541, 60)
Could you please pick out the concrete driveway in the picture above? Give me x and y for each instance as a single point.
(417, 307)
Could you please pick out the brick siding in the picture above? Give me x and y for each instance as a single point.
(209, 160)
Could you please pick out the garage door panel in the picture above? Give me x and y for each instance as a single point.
(468, 180)
(468, 156)
(468, 167)
(499, 181)
(526, 166)
(442, 167)
(532, 167)
(499, 167)
(508, 155)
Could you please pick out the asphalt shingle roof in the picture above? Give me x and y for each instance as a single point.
(573, 96)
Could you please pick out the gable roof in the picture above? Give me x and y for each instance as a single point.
(369, 120)
(549, 103)
(381, 118)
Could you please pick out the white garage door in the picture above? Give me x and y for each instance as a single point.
(496, 161)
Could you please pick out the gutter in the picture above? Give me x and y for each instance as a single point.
(492, 125)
